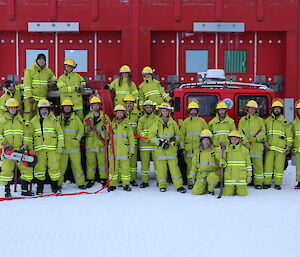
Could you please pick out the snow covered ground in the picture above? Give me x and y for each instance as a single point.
(146, 222)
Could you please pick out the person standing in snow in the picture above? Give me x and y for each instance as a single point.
(278, 145)
(296, 148)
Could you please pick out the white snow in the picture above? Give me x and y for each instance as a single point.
(146, 222)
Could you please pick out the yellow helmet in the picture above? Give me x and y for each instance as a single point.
(193, 105)
(129, 98)
(206, 133)
(119, 107)
(148, 102)
(125, 68)
(221, 105)
(12, 102)
(297, 106)
(234, 133)
(147, 69)
(252, 104)
(70, 62)
(43, 103)
(165, 106)
(66, 102)
(277, 102)
(95, 100)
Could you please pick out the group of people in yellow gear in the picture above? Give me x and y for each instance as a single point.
(255, 151)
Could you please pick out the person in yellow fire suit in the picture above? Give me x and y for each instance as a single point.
(123, 85)
(203, 173)
(47, 140)
(133, 115)
(147, 149)
(13, 133)
(296, 149)
(94, 146)
(150, 89)
(190, 134)
(237, 164)
(37, 79)
(252, 128)
(165, 135)
(221, 125)
(73, 131)
(10, 91)
(71, 85)
(278, 144)
(121, 149)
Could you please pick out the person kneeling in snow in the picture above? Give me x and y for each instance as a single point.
(237, 166)
(204, 166)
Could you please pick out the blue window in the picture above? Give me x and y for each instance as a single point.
(80, 57)
(196, 61)
(32, 54)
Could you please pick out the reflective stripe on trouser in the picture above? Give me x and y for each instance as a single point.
(145, 164)
(188, 161)
(297, 167)
(274, 163)
(75, 160)
(205, 184)
(241, 190)
(7, 173)
(47, 160)
(133, 163)
(79, 113)
(162, 173)
(92, 159)
(122, 164)
(258, 170)
(26, 115)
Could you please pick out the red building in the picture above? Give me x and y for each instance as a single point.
(159, 33)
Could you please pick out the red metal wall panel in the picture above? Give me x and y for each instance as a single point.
(8, 54)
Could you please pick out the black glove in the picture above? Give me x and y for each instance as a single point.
(106, 86)
(163, 144)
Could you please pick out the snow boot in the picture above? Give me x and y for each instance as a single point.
(266, 186)
(103, 182)
(190, 187)
(40, 187)
(181, 190)
(127, 188)
(25, 191)
(90, 183)
(55, 188)
(120, 184)
(82, 187)
(7, 191)
(297, 186)
(143, 185)
(277, 187)
(133, 183)
(162, 189)
(258, 187)
(211, 193)
(112, 188)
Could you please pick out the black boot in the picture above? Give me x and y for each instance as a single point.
(89, 183)
(266, 186)
(143, 185)
(259, 187)
(40, 187)
(297, 186)
(277, 187)
(181, 190)
(7, 191)
(55, 188)
(112, 188)
(163, 189)
(127, 188)
(133, 183)
(82, 187)
(120, 184)
(103, 181)
(25, 190)
(211, 193)
(190, 187)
